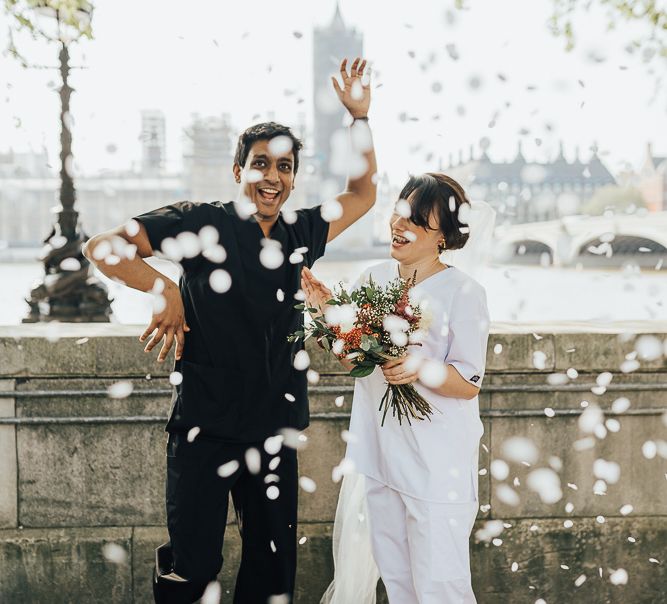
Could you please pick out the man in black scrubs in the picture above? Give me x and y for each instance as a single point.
(230, 318)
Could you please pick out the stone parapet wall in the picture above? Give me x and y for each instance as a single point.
(79, 470)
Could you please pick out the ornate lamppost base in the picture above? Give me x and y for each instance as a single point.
(68, 292)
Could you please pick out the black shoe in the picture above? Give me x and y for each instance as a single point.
(168, 587)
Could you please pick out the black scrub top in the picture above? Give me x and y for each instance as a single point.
(239, 382)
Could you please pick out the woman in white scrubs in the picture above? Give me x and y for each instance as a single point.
(420, 478)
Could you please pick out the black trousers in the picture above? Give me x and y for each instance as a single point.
(265, 500)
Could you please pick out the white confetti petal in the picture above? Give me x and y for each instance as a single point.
(609, 471)
(253, 460)
(307, 484)
(331, 210)
(271, 257)
(546, 483)
(175, 378)
(499, 469)
(114, 553)
(539, 359)
(121, 389)
(212, 594)
(192, 433)
(649, 449)
(220, 281)
(507, 495)
(301, 360)
(519, 448)
(227, 469)
(620, 405)
(273, 444)
(433, 373)
(293, 438)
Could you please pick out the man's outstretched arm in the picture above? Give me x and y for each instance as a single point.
(360, 191)
(120, 256)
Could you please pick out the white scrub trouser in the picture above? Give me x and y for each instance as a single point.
(421, 548)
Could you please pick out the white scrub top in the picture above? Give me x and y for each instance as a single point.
(437, 460)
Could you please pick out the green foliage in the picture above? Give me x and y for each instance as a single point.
(360, 371)
(649, 12)
(613, 197)
(72, 19)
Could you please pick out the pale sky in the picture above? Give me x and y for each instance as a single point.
(209, 56)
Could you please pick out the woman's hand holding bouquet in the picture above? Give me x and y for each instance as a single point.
(370, 326)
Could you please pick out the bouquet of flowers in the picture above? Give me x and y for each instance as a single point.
(370, 326)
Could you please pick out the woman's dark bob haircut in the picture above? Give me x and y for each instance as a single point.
(437, 193)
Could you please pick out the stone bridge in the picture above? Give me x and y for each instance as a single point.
(587, 239)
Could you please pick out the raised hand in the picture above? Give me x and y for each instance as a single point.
(170, 324)
(317, 294)
(356, 91)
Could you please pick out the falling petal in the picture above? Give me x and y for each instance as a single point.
(212, 594)
(220, 281)
(253, 460)
(121, 389)
(114, 553)
(301, 360)
(227, 469)
(307, 484)
(519, 448)
(273, 444)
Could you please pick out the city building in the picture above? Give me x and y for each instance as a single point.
(208, 158)
(529, 191)
(330, 45)
(153, 141)
(652, 180)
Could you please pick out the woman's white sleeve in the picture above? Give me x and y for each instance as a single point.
(469, 333)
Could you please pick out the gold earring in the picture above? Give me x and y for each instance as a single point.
(441, 247)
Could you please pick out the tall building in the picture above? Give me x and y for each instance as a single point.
(330, 45)
(153, 141)
(208, 159)
(25, 164)
(652, 180)
(529, 191)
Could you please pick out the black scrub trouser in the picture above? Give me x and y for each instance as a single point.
(197, 504)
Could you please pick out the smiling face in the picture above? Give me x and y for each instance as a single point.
(266, 179)
(410, 243)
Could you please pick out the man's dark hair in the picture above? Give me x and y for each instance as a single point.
(432, 193)
(265, 131)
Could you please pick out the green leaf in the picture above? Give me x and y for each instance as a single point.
(361, 371)
(365, 343)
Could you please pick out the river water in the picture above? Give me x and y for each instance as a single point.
(515, 293)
